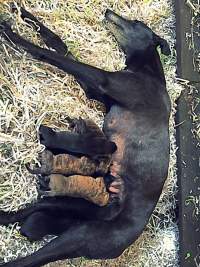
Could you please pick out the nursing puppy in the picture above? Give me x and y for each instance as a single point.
(62, 174)
(138, 109)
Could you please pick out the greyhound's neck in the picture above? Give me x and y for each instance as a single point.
(151, 64)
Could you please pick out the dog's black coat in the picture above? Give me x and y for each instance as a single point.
(138, 109)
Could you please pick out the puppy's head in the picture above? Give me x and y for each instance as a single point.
(134, 36)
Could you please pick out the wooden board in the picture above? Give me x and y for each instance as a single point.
(188, 148)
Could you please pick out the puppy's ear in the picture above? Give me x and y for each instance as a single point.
(164, 46)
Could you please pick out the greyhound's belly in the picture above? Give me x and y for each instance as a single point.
(118, 125)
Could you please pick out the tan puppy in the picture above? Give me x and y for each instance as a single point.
(86, 187)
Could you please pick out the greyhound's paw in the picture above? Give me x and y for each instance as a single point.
(46, 162)
(47, 136)
(4, 24)
(13, 7)
(5, 20)
(5, 217)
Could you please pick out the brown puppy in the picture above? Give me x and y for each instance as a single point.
(80, 186)
(67, 164)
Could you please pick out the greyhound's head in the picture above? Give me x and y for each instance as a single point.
(134, 36)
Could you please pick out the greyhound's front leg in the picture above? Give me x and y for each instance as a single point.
(50, 38)
(91, 76)
(68, 245)
(100, 85)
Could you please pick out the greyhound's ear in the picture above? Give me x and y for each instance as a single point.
(164, 46)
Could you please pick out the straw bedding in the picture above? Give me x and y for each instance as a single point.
(32, 93)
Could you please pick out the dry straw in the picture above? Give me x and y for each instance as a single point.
(32, 93)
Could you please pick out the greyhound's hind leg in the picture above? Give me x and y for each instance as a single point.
(42, 223)
(94, 240)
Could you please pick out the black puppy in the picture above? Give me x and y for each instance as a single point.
(138, 109)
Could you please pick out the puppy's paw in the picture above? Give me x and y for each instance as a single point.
(46, 161)
(43, 188)
(43, 183)
(43, 193)
(117, 189)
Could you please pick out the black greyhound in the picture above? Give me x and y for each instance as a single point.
(138, 109)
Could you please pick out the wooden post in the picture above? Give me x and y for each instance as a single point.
(188, 148)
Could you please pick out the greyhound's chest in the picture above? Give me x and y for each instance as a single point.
(117, 127)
